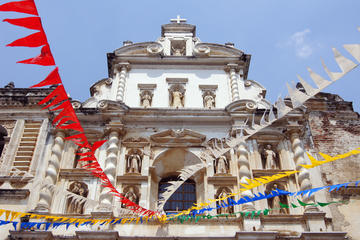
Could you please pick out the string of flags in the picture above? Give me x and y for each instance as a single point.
(58, 101)
(256, 182)
(192, 218)
(10, 216)
(66, 119)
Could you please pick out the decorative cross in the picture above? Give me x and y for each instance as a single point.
(178, 19)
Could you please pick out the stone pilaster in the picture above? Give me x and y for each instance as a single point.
(113, 148)
(121, 78)
(244, 173)
(232, 69)
(51, 172)
(303, 177)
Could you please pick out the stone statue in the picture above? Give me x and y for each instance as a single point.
(75, 206)
(131, 195)
(221, 165)
(209, 101)
(270, 156)
(133, 163)
(177, 99)
(178, 51)
(146, 100)
(276, 203)
(224, 210)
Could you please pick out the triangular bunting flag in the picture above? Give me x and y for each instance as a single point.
(26, 6)
(44, 59)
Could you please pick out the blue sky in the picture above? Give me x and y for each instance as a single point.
(283, 37)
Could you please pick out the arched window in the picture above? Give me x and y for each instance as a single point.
(3, 134)
(183, 198)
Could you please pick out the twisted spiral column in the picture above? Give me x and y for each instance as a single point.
(51, 172)
(234, 85)
(304, 176)
(121, 76)
(244, 173)
(110, 169)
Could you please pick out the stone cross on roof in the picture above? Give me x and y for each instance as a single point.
(178, 20)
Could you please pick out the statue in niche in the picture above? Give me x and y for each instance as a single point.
(224, 210)
(221, 165)
(177, 99)
(75, 206)
(134, 163)
(77, 163)
(275, 203)
(209, 101)
(270, 157)
(178, 51)
(146, 98)
(131, 195)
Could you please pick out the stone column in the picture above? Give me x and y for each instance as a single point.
(112, 150)
(110, 170)
(51, 172)
(303, 177)
(244, 173)
(121, 77)
(232, 68)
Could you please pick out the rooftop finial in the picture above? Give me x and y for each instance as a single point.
(178, 20)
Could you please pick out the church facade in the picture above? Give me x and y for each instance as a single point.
(163, 104)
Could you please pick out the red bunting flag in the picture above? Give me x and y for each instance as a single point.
(51, 79)
(59, 93)
(29, 22)
(44, 59)
(34, 40)
(25, 6)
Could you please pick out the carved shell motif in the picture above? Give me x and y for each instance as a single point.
(155, 49)
(201, 50)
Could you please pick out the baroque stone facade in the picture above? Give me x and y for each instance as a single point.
(163, 103)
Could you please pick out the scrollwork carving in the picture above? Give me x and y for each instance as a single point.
(155, 49)
(201, 50)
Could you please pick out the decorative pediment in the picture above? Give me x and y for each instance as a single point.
(218, 50)
(140, 49)
(178, 137)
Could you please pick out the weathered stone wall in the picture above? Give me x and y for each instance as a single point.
(335, 129)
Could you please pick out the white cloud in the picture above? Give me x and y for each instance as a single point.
(303, 49)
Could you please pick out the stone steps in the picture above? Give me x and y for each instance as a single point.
(27, 146)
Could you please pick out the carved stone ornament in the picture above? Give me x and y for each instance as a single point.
(201, 49)
(247, 83)
(155, 49)
(103, 104)
(108, 81)
(242, 105)
(76, 104)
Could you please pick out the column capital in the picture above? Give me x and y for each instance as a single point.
(231, 66)
(122, 65)
(117, 127)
